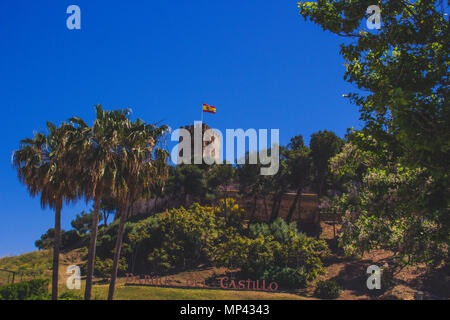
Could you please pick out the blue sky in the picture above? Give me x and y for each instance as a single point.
(258, 62)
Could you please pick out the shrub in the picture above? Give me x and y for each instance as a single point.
(33, 289)
(255, 257)
(258, 228)
(103, 268)
(229, 209)
(304, 252)
(183, 238)
(288, 278)
(327, 290)
(279, 229)
(70, 295)
(252, 256)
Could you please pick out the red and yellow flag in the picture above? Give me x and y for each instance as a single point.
(208, 108)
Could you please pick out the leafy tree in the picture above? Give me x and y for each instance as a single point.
(188, 183)
(279, 183)
(324, 145)
(82, 222)
(299, 163)
(46, 240)
(107, 207)
(103, 268)
(392, 207)
(219, 177)
(401, 72)
(253, 185)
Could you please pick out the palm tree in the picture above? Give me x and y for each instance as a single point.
(44, 164)
(97, 157)
(141, 165)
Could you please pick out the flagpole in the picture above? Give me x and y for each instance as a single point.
(202, 115)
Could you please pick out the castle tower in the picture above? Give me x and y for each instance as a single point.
(210, 143)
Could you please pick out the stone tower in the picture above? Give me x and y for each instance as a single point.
(210, 143)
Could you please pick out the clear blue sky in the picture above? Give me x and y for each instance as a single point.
(258, 62)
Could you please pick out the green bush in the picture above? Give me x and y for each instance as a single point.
(279, 229)
(256, 257)
(103, 268)
(327, 290)
(287, 278)
(70, 295)
(33, 289)
(182, 238)
(229, 209)
(258, 228)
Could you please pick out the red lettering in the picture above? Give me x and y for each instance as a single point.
(221, 282)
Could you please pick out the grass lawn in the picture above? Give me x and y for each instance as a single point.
(157, 293)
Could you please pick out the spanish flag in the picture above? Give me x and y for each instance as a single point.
(208, 108)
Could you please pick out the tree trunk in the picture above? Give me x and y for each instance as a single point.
(91, 253)
(105, 218)
(56, 246)
(275, 207)
(294, 205)
(134, 257)
(112, 284)
(265, 207)
(252, 216)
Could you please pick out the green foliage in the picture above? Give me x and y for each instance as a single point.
(176, 239)
(229, 209)
(82, 222)
(187, 182)
(183, 238)
(287, 278)
(27, 266)
(70, 240)
(328, 289)
(279, 229)
(107, 240)
(396, 169)
(324, 145)
(261, 254)
(70, 295)
(394, 207)
(402, 70)
(259, 228)
(28, 290)
(198, 183)
(103, 267)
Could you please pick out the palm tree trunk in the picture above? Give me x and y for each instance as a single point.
(56, 246)
(91, 253)
(112, 284)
